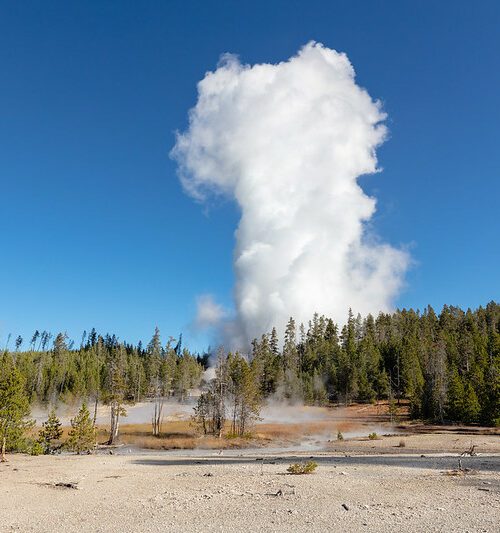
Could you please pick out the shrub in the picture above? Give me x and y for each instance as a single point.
(302, 468)
(339, 435)
(402, 443)
(373, 436)
(36, 448)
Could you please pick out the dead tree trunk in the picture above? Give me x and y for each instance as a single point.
(157, 415)
(4, 445)
(115, 422)
(95, 409)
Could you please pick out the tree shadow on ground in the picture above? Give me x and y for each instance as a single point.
(489, 463)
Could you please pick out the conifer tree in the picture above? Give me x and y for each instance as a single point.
(155, 356)
(456, 394)
(290, 355)
(470, 406)
(50, 433)
(446, 365)
(14, 407)
(81, 437)
(116, 388)
(243, 393)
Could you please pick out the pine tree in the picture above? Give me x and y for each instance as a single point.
(155, 353)
(470, 407)
(60, 365)
(50, 433)
(116, 388)
(447, 366)
(243, 394)
(14, 407)
(273, 343)
(81, 437)
(456, 395)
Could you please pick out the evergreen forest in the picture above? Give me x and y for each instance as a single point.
(445, 366)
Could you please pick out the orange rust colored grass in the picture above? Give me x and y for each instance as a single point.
(181, 434)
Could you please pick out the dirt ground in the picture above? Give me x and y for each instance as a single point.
(247, 490)
(411, 477)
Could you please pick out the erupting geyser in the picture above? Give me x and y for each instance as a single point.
(288, 142)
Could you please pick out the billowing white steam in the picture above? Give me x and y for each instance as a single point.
(288, 143)
(208, 312)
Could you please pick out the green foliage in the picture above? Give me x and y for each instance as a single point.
(393, 410)
(373, 436)
(81, 437)
(302, 468)
(447, 366)
(14, 407)
(340, 436)
(50, 434)
(36, 448)
(243, 394)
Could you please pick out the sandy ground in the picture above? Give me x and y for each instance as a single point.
(384, 489)
(400, 482)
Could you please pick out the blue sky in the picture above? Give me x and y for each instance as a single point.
(96, 231)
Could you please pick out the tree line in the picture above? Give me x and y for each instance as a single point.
(446, 365)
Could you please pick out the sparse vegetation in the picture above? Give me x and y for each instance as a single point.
(302, 468)
(340, 436)
(373, 436)
(233, 395)
(402, 443)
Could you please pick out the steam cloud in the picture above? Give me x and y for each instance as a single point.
(288, 143)
(208, 312)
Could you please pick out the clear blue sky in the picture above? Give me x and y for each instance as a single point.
(96, 231)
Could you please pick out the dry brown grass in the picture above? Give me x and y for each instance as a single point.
(175, 435)
(180, 434)
(280, 431)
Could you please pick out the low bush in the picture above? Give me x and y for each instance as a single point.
(302, 468)
(36, 448)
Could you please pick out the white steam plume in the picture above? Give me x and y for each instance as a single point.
(288, 143)
(208, 312)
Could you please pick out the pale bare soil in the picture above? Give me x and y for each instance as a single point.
(409, 479)
(245, 490)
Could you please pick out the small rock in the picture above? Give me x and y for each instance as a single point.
(345, 507)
